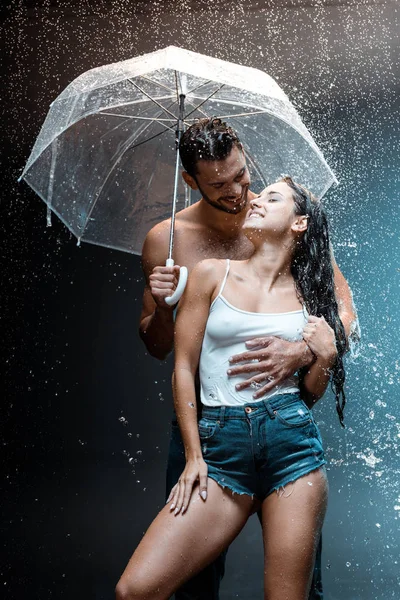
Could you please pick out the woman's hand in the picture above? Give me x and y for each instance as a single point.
(196, 470)
(320, 338)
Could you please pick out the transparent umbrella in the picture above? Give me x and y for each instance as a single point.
(105, 161)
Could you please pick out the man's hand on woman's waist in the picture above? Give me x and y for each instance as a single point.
(271, 360)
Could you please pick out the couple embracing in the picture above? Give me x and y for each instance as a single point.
(259, 333)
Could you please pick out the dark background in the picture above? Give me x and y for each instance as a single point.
(85, 411)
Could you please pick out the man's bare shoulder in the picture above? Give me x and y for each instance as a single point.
(156, 243)
(159, 232)
(184, 217)
(155, 247)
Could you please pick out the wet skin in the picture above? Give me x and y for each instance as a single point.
(263, 284)
(291, 519)
(211, 228)
(157, 568)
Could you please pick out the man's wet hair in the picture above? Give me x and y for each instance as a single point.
(207, 139)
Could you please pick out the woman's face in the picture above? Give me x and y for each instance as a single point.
(273, 213)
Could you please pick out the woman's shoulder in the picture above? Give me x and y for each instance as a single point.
(211, 267)
(208, 273)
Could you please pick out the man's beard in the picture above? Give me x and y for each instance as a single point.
(239, 206)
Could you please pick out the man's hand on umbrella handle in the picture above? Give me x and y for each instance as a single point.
(180, 288)
(163, 282)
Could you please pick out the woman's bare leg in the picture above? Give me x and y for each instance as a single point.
(292, 520)
(176, 547)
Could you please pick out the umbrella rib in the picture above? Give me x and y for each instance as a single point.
(256, 112)
(137, 117)
(253, 162)
(171, 90)
(152, 99)
(199, 86)
(115, 164)
(204, 101)
(201, 111)
(161, 121)
(148, 140)
(111, 170)
(158, 121)
(157, 83)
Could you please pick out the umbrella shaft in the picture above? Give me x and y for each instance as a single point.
(172, 230)
(179, 132)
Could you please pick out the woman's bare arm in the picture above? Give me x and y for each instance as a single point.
(190, 325)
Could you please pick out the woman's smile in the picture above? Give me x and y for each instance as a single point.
(254, 215)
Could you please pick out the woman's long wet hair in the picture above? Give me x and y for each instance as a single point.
(314, 279)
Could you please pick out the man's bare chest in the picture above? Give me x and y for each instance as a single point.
(191, 248)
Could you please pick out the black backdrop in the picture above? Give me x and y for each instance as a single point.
(85, 412)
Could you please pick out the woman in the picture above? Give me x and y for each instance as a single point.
(242, 451)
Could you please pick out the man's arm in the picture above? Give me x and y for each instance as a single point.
(156, 326)
(278, 358)
(347, 311)
(320, 337)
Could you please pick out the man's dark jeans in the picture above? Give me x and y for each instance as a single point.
(205, 585)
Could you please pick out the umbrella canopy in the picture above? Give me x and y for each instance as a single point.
(104, 160)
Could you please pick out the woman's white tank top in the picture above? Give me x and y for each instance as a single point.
(227, 330)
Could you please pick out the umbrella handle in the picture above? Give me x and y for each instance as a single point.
(180, 288)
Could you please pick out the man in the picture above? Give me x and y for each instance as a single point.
(214, 163)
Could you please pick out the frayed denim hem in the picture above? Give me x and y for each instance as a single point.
(223, 485)
(288, 480)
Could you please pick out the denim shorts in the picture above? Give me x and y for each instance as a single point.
(259, 447)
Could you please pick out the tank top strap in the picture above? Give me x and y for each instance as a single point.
(222, 284)
(221, 289)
